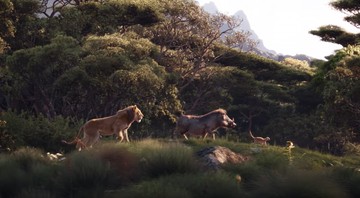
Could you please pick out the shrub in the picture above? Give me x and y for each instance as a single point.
(40, 132)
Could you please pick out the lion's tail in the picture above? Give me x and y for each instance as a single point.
(76, 139)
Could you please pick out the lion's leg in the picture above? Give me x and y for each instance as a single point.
(121, 136)
(126, 135)
(92, 139)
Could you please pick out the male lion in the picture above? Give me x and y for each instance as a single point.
(117, 124)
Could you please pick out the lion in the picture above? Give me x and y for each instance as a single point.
(117, 124)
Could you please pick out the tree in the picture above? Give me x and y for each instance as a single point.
(351, 7)
(335, 34)
(105, 17)
(188, 36)
(21, 28)
(118, 70)
(35, 71)
(7, 28)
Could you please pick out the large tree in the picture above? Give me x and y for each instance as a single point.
(337, 82)
(188, 36)
(335, 34)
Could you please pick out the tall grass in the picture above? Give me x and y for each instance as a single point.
(26, 168)
(164, 158)
(207, 185)
(296, 183)
(348, 178)
(84, 175)
(165, 168)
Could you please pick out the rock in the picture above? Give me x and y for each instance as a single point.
(213, 157)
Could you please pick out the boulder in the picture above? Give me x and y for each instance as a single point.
(215, 156)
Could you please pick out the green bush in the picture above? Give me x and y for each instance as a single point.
(39, 132)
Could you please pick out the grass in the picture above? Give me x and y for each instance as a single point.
(169, 168)
(213, 184)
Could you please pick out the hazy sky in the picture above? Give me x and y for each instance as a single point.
(284, 25)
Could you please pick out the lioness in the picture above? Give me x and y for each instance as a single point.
(117, 124)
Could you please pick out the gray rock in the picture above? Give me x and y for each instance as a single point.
(215, 156)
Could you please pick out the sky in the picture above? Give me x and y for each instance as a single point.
(284, 25)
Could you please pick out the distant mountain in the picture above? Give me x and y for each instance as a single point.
(261, 50)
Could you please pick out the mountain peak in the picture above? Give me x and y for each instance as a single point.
(210, 8)
(245, 26)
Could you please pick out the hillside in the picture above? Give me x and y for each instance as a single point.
(168, 168)
(60, 68)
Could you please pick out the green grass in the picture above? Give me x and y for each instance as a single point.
(170, 168)
(207, 185)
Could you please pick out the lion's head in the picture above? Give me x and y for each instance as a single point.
(134, 113)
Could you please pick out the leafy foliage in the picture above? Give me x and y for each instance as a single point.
(25, 130)
(85, 60)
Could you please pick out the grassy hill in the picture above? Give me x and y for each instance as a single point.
(170, 168)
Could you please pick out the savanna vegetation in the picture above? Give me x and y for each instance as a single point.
(65, 62)
(163, 168)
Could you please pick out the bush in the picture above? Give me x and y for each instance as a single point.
(39, 132)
